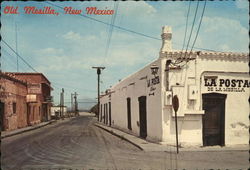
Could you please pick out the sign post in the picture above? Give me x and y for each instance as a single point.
(175, 102)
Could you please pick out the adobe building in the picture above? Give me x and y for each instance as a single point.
(39, 99)
(213, 92)
(12, 102)
(25, 99)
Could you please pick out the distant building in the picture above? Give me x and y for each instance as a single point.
(55, 111)
(213, 92)
(26, 98)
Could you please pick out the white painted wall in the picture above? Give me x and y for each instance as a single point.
(187, 83)
(190, 111)
(135, 86)
(57, 109)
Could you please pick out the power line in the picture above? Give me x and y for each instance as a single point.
(11, 64)
(184, 41)
(19, 55)
(11, 58)
(121, 28)
(71, 87)
(199, 25)
(111, 28)
(192, 27)
(126, 29)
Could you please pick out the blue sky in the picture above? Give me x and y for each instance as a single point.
(65, 47)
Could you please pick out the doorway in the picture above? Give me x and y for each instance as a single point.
(213, 121)
(2, 115)
(129, 113)
(109, 113)
(143, 116)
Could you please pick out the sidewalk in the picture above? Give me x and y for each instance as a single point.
(149, 146)
(5, 134)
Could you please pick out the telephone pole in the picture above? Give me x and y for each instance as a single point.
(76, 104)
(61, 103)
(98, 69)
(17, 65)
(71, 110)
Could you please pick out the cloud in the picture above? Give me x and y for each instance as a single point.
(51, 51)
(223, 33)
(132, 8)
(242, 4)
(72, 36)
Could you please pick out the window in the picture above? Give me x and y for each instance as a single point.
(14, 107)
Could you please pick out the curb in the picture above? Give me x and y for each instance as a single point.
(120, 136)
(184, 149)
(26, 130)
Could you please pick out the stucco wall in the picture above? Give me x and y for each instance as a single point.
(134, 86)
(236, 104)
(13, 92)
(190, 112)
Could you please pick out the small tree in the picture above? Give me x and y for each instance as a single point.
(94, 109)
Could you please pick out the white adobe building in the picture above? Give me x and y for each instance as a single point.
(213, 92)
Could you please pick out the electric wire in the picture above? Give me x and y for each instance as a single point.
(19, 56)
(191, 32)
(199, 25)
(111, 28)
(184, 40)
(12, 58)
(126, 29)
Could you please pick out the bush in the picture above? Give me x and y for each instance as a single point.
(94, 109)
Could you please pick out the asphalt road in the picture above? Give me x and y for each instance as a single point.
(78, 144)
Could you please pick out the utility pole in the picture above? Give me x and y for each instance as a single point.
(98, 69)
(17, 66)
(76, 105)
(71, 110)
(61, 103)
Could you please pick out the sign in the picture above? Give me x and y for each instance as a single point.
(49, 99)
(213, 83)
(34, 88)
(30, 98)
(175, 103)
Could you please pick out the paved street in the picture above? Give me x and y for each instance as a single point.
(78, 144)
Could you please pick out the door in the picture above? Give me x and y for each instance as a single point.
(143, 116)
(28, 114)
(129, 113)
(2, 115)
(106, 113)
(109, 113)
(213, 121)
(101, 114)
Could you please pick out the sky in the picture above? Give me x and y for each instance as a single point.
(64, 47)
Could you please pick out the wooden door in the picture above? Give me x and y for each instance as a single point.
(143, 116)
(129, 113)
(2, 115)
(109, 113)
(214, 119)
